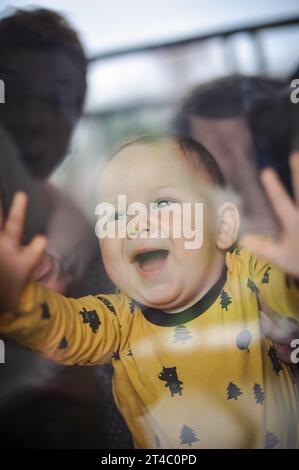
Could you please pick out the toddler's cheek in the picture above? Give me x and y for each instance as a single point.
(110, 252)
(171, 224)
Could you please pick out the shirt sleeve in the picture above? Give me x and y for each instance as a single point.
(277, 289)
(70, 331)
(278, 299)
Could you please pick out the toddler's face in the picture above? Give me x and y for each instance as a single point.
(157, 272)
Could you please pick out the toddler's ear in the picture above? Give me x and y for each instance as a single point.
(228, 225)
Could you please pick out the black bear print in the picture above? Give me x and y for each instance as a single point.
(169, 374)
(91, 317)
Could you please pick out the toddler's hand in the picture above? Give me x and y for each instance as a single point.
(17, 262)
(285, 251)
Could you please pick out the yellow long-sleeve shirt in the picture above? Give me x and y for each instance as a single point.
(202, 378)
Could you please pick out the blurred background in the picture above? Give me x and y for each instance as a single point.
(217, 71)
(143, 57)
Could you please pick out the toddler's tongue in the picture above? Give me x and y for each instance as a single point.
(152, 260)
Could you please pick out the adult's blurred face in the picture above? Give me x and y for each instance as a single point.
(43, 95)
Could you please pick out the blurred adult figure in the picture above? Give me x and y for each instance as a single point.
(43, 67)
(246, 122)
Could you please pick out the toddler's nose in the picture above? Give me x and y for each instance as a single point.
(137, 230)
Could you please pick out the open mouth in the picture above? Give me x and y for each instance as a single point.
(151, 261)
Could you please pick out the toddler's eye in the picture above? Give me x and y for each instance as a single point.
(163, 203)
